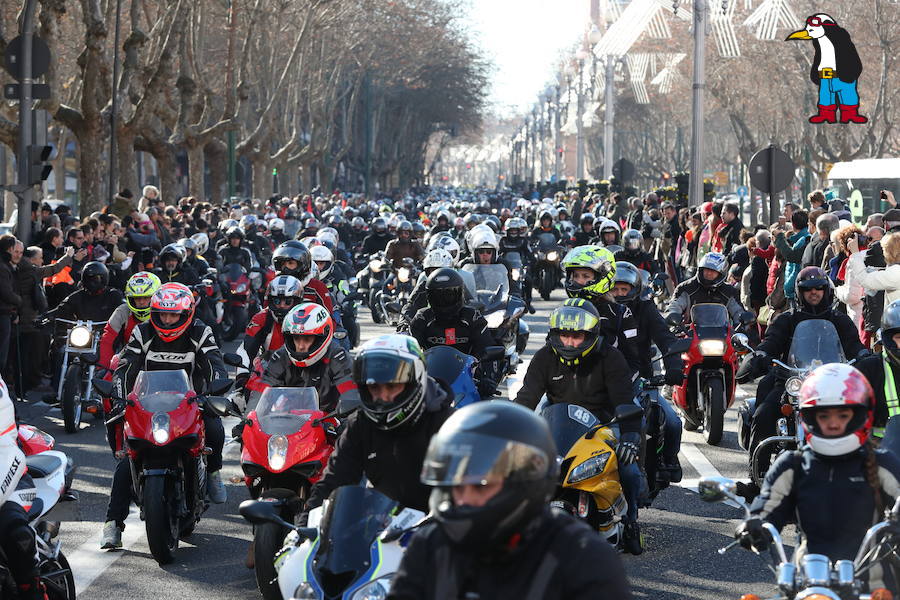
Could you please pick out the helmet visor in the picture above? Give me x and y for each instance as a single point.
(462, 458)
(572, 318)
(383, 366)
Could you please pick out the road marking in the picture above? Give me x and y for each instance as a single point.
(88, 561)
(704, 469)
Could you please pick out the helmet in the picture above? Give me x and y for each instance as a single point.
(587, 219)
(714, 261)
(484, 240)
(227, 224)
(328, 236)
(471, 220)
(836, 385)
(202, 241)
(813, 277)
(490, 442)
(516, 227)
(575, 314)
(379, 225)
(599, 260)
(443, 215)
(321, 254)
(311, 223)
(628, 273)
(94, 277)
(418, 229)
(236, 232)
(545, 214)
(276, 224)
(293, 250)
(392, 358)
(890, 325)
(311, 241)
(283, 293)
(405, 226)
(170, 252)
(307, 319)
(632, 240)
(172, 298)
(141, 285)
(445, 242)
(444, 289)
(248, 223)
(189, 246)
(358, 223)
(609, 226)
(493, 222)
(436, 259)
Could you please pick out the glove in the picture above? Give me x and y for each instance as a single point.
(674, 376)
(864, 353)
(629, 448)
(751, 535)
(673, 319)
(240, 380)
(752, 364)
(487, 387)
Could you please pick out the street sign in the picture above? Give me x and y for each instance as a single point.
(623, 170)
(721, 178)
(40, 58)
(39, 91)
(771, 170)
(743, 191)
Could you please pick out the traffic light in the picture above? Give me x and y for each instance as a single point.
(38, 169)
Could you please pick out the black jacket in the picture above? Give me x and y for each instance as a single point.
(239, 255)
(618, 325)
(390, 460)
(652, 329)
(691, 292)
(375, 242)
(466, 332)
(873, 304)
(185, 274)
(640, 259)
(81, 304)
(600, 383)
(815, 252)
(549, 563)
(731, 235)
(10, 301)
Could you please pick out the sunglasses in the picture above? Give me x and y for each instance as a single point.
(817, 22)
(818, 288)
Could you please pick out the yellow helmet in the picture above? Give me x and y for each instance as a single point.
(595, 258)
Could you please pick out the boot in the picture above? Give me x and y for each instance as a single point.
(748, 491)
(849, 115)
(632, 542)
(827, 114)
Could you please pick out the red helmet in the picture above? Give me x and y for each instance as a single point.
(836, 385)
(172, 299)
(310, 320)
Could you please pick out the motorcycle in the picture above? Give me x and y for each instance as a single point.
(589, 484)
(546, 267)
(350, 549)
(710, 362)
(286, 444)
(457, 370)
(372, 279)
(239, 298)
(816, 576)
(75, 393)
(815, 343)
(164, 441)
(396, 292)
(503, 315)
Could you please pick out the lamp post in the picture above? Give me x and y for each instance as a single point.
(557, 142)
(579, 114)
(701, 10)
(609, 117)
(540, 108)
(535, 124)
(113, 113)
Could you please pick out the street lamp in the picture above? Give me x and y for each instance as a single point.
(579, 114)
(701, 11)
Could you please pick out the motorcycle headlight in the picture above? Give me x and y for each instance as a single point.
(278, 448)
(552, 256)
(375, 266)
(374, 590)
(305, 591)
(80, 336)
(589, 468)
(516, 274)
(159, 427)
(241, 288)
(712, 347)
(494, 319)
(403, 274)
(792, 385)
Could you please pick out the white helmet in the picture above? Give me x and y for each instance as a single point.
(836, 385)
(328, 236)
(321, 254)
(202, 241)
(437, 258)
(276, 224)
(445, 242)
(483, 238)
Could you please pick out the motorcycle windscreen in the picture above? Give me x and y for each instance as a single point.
(284, 410)
(355, 516)
(546, 242)
(568, 423)
(512, 260)
(161, 391)
(491, 284)
(710, 320)
(816, 342)
(444, 363)
(233, 272)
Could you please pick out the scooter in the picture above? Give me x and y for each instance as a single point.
(165, 443)
(350, 549)
(286, 444)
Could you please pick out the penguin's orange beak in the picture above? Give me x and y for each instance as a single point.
(799, 35)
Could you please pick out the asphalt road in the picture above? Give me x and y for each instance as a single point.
(682, 532)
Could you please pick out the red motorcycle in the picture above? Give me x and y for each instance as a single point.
(287, 441)
(165, 443)
(240, 300)
(710, 362)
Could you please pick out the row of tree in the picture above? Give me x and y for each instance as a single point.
(304, 86)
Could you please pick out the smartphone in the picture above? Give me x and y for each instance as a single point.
(782, 221)
(884, 194)
(862, 240)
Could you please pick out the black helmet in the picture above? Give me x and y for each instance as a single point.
(490, 442)
(392, 358)
(628, 273)
(172, 251)
(236, 232)
(418, 229)
(293, 250)
(587, 219)
(809, 278)
(632, 240)
(444, 289)
(405, 226)
(379, 225)
(575, 315)
(890, 325)
(94, 277)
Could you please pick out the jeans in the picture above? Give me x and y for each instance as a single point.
(633, 483)
(834, 91)
(672, 431)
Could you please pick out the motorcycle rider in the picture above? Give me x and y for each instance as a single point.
(837, 485)
(138, 291)
(172, 267)
(514, 240)
(418, 299)
(493, 534)
(235, 251)
(378, 240)
(609, 233)
(293, 258)
(578, 365)
(545, 226)
(633, 252)
(442, 223)
(404, 246)
(814, 300)
(707, 286)
(386, 440)
(585, 234)
(882, 369)
(173, 338)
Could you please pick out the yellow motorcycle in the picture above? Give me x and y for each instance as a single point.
(589, 484)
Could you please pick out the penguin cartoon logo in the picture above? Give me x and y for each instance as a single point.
(836, 67)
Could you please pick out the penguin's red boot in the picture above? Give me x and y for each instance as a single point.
(849, 114)
(827, 114)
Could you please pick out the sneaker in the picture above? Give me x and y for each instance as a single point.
(215, 488)
(632, 542)
(112, 536)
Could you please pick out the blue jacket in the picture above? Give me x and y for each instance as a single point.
(792, 250)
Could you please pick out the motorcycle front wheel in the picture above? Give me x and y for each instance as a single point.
(56, 574)
(713, 410)
(268, 539)
(70, 403)
(160, 521)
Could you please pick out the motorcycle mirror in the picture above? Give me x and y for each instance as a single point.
(259, 512)
(219, 405)
(392, 535)
(218, 387)
(627, 412)
(741, 342)
(493, 353)
(103, 387)
(672, 320)
(716, 489)
(232, 359)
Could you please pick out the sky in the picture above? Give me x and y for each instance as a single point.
(524, 39)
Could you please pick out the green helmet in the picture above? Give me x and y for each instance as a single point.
(599, 260)
(141, 285)
(575, 315)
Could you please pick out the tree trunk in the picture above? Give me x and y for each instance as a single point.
(91, 169)
(59, 165)
(168, 177)
(127, 164)
(195, 171)
(326, 176)
(262, 178)
(217, 159)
